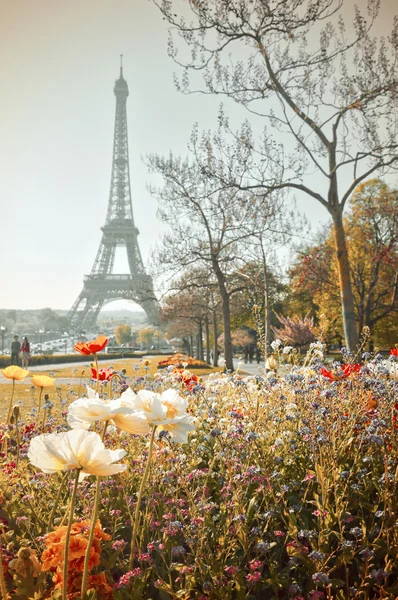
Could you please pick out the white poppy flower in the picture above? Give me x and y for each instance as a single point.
(84, 411)
(134, 421)
(145, 401)
(177, 428)
(89, 410)
(167, 411)
(176, 405)
(75, 449)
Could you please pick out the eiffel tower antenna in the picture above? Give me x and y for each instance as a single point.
(102, 285)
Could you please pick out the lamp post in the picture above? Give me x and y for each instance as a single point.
(41, 331)
(3, 332)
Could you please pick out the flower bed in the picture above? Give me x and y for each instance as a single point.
(182, 360)
(287, 489)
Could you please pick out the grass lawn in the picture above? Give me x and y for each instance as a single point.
(79, 376)
(83, 370)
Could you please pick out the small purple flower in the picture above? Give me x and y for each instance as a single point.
(366, 554)
(178, 551)
(378, 575)
(356, 532)
(321, 578)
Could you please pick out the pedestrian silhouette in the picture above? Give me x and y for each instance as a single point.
(15, 350)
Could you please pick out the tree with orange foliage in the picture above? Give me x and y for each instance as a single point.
(123, 334)
(372, 240)
(320, 89)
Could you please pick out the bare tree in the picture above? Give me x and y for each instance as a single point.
(189, 309)
(205, 228)
(332, 92)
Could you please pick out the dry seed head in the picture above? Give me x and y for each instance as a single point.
(24, 553)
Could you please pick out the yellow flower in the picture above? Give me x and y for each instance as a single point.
(42, 381)
(15, 373)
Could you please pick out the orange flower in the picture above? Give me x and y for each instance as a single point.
(97, 582)
(100, 533)
(56, 536)
(42, 381)
(92, 347)
(51, 557)
(55, 541)
(15, 373)
(77, 565)
(77, 546)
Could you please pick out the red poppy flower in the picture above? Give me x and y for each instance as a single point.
(187, 378)
(92, 347)
(347, 370)
(394, 352)
(103, 374)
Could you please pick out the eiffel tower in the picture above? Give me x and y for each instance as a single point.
(102, 286)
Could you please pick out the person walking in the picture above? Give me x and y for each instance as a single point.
(25, 352)
(15, 350)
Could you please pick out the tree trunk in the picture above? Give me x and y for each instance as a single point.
(200, 341)
(207, 334)
(191, 346)
(187, 346)
(267, 312)
(226, 313)
(215, 336)
(347, 297)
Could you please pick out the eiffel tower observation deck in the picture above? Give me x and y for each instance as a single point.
(102, 285)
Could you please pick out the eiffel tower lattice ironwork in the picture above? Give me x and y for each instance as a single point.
(102, 286)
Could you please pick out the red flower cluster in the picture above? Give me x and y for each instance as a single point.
(103, 374)
(347, 370)
(186, 377)
(394, 352)
(92, 347)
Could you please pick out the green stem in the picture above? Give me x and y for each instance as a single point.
(96, 368)
(3, 589)
(67, 536)
(10, 406)
(141, 490)
(39, 406)
(83, 592)
(54, 508)
(18, 440)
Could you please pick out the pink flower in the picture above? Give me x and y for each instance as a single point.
(255, 564)
(318, 513)
(279, 534)
(231, 570)
(253, 577)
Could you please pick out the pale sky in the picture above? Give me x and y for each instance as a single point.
(58, 64)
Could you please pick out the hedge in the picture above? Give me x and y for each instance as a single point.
(47, 359)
